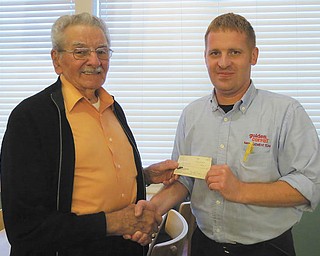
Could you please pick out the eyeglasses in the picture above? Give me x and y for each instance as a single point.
(103, 53)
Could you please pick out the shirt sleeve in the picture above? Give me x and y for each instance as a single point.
(299, 155)
(181, 148)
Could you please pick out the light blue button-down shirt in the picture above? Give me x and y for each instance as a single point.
(286, 147)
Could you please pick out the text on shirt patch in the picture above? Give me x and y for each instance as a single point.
(259, 140)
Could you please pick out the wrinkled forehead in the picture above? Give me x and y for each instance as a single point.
(84, 36)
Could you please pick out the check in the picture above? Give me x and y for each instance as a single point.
(193, 166)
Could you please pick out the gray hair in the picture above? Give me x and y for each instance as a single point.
(233, 22)
(58, 28)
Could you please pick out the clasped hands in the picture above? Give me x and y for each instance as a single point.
(219, 178)
(137, 222)
(144, 223)
(146, 232)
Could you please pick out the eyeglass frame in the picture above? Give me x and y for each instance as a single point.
(90, 50)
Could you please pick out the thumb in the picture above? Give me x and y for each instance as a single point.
(140, 206)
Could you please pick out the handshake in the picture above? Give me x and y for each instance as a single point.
(138, 222)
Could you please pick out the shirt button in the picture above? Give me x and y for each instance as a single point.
(122, 195)
(110, 139)
(243, 108)
(222, 146)
(119, 166)
(218, 230)
(225, 119)
(218, 202)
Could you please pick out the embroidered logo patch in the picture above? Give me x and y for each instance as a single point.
(259, 140)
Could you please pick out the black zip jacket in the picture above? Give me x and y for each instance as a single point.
(37, 173)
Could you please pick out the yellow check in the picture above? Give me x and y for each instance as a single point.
(193, 166)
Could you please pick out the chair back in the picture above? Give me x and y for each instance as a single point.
(177, 228)
(185, 210)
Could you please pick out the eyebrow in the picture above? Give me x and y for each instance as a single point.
(228, 49)
(81, 44)
(78, 44)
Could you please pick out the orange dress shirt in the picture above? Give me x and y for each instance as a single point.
(105, 170)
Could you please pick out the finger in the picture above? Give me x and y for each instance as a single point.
(127, 237)
(145, 239)
(137, 236)
(208, 175)
(210, 179)
(216, 186)
(170, 164)
(173, 178)
(211, 186)
(140, 206)
(150, 222)
(155, 229)
(167, 182)
(213, 175)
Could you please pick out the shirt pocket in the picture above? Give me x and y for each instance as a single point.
(259, 165)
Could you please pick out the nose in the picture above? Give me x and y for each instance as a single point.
(93, 59)
(224, 61)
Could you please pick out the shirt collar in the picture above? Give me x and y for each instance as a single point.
(214, 102)
(242, 104)
(247, 98)
(72, 96)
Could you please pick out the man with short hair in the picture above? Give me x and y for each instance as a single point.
(70, 168)
(265, 155)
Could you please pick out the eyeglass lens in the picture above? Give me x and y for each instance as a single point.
(103, 53)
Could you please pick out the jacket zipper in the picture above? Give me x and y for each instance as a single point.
(60, 157)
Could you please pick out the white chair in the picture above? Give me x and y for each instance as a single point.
(185, 211)
(177, 228)
(4, 244)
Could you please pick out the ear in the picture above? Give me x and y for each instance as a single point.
(55, 56)
(205, 56)
(254, 56)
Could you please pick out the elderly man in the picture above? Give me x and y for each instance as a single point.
(71, 171)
